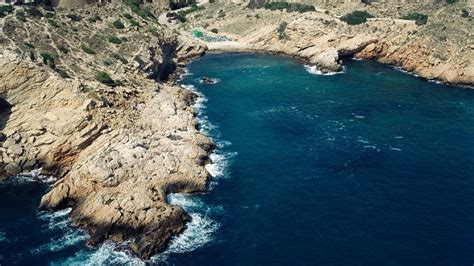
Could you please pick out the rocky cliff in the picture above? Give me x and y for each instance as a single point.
(117, 146)
(442, 49)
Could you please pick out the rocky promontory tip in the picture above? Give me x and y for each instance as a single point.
(104, 117)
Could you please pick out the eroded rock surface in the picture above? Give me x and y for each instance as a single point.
(117, 151)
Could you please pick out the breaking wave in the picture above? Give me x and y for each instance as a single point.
(315, 71)
(60, 221)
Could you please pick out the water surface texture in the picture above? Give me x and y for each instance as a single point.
(369, 167)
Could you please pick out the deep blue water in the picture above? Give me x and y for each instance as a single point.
(370, 167)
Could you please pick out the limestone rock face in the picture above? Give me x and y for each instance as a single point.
(117, 152)
(439, 50)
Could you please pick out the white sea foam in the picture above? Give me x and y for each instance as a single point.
(199, 231)
(106, 254)
(35, 176)
(184, 74)
(314, 70)
(3, 237)
(370, 147)
(60, 220)
(56, 220)
(395, 149)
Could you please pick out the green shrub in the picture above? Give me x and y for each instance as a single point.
(127, 16)
(5, 10)
(34, 12)
(62, 73)
(118, 24)
(419, 18)
(139, 60)
(62, 48)
(49, 15)
(53, 23)
(451, 1)
(120, 58)
(29, 45)
(87, 50)
(108, 62)
(356, 17)
(104, 78)
(215, 31)
(134, 23)
(74, 17)
(94, 19)
(48, 59)
(289, 7)
(114, 39)
(20, 15)
(181, 15)
(464, 13)
(32, 56)
(135, 6)
(281, 30)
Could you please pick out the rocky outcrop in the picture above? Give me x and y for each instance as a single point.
(117, 152)
(439, 50)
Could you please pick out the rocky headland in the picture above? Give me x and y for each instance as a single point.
(117, 145)
(440, 48)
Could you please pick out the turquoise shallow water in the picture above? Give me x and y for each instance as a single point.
(369, 167)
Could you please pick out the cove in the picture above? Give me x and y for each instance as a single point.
(369, 167)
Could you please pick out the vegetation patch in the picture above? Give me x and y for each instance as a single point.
(53, 23)
(5, 10)
(289, 7)
(419, 18)
(281, 30)
(134, 23)
(48, 59)
(62, 48)
(49, 15)
(62, 73)
(118, 24)
(136, 7)
(94, 19)
(20, 15)
(74, 17)
(356, 17)
(87, 49)
(29, 45)
(34, 12)
(114, 39)
(104, 78)
(120, 58)
(181, 15)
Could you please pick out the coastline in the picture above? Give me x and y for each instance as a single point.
(119, 152)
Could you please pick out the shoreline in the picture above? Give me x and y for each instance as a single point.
(305, 61)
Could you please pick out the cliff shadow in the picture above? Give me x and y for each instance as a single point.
(5, 112)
